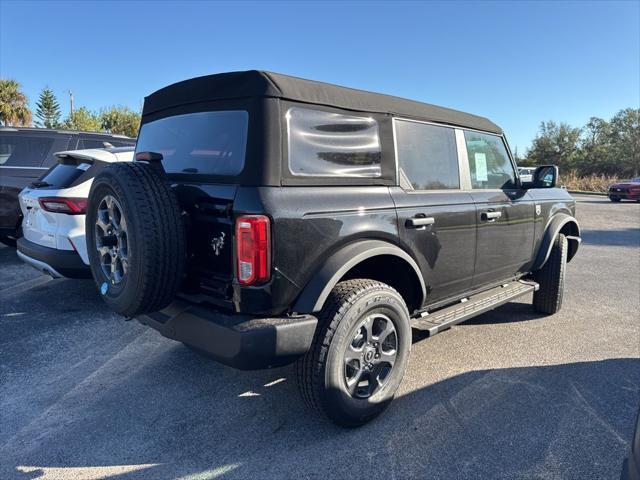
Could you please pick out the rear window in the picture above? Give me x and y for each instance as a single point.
(211, 143)
(24, 150)
(62, 176)
(327, 144)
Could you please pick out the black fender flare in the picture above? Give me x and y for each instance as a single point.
(317, 290)
(554, 226)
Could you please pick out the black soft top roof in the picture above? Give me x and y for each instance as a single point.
(255, 83)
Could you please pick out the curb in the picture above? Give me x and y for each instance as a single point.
(582, 192)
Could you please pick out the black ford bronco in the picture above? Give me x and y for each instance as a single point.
(269, 219)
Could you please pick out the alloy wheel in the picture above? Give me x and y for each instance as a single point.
(112, 240)
(370, 355)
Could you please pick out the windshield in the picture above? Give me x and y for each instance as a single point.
(211, 143)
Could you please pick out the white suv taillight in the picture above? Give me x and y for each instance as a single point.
(253, 249)
(70, 206)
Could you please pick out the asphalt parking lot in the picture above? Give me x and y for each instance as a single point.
(508, 395)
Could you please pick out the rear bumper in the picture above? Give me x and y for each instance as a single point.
(57, 263)
(239, 341)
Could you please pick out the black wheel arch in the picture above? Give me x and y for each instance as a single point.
(356, 260)
(559, 223)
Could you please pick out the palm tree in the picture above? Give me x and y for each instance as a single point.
(14, 105)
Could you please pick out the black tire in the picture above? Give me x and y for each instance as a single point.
(548, 299)
(8, 241)
(321, 373)
(614, 199)
(155, 239)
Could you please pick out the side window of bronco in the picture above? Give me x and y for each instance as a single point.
(427, 156)
(327, 144)
(489, 162)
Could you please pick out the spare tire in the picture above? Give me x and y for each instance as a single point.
(135, 238)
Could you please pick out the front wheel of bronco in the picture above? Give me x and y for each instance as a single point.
(359, 354)
(548, 298)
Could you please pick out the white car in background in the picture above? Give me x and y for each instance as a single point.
(53, 207)
(526, 173)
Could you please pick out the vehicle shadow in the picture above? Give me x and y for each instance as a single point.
(624, 237)
(512, 312)
(173, 414)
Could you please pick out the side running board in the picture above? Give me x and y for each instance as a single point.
(444, 318)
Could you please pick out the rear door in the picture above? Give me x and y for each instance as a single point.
(505, 213)
(436, 219)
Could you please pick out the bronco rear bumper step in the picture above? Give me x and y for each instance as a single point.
(239, 341)
(446, 317)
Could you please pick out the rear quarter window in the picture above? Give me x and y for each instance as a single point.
(210, 143)
(327, 144)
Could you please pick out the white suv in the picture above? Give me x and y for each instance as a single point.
(53, 207)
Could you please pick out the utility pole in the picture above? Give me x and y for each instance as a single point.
(71, 103)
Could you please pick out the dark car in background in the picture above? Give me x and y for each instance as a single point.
(625, 190)
(26, 154)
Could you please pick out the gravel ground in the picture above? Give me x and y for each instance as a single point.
(508, 395)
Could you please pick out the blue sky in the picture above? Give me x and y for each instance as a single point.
(517, 63)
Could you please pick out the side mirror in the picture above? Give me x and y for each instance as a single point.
(544, 176)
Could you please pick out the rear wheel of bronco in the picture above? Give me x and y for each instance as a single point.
(548, 299)
(614, 199)
(359, 354)
(135, 239)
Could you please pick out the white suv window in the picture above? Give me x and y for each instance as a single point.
(327, 144)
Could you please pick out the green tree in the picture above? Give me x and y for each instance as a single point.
(594, 156)
(14, 105)
(83, 119)
(47, 110)
(624, 140)
(121, 120)
(557, 144)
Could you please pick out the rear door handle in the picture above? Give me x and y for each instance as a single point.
(490, 216)
(418, 222)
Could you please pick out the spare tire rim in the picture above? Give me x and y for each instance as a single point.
(112, 240)
(370, 355)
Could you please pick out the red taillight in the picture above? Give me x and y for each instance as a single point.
(253, 249)
(70, 206)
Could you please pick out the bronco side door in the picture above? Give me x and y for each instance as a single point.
(436, 218)
(505, 212)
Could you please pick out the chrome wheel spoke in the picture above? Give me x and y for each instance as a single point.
(125, 266)
(368, 327)
(388, 329)
(352, 354)
(352, 384)
(100, 222)
(388, 357)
